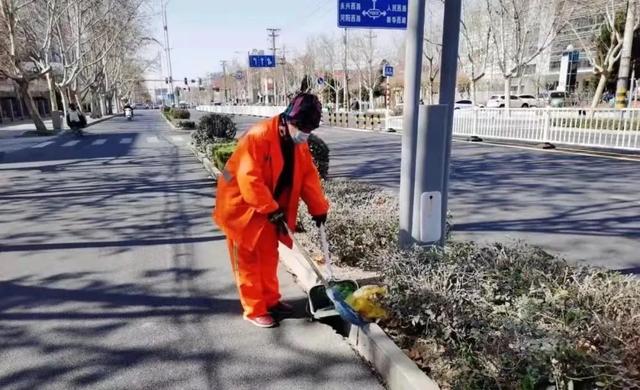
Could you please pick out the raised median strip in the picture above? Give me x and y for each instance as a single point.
(371, 342)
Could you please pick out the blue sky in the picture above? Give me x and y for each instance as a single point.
(204, 32)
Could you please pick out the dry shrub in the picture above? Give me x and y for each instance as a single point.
(491, 316)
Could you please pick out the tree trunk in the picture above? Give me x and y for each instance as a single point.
(64, 97)
(23, 86)
(52, 91)
(625, 60)
(473, 91)
(507, 93)
(371, 102)
(599, 89)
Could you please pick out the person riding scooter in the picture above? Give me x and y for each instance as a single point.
(128, 111)
(75, 119)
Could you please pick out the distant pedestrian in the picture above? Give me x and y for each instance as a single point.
(257, 198)
(75, 118)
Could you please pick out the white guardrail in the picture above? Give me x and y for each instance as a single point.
(599, 128)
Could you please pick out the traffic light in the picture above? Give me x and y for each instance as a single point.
(170, 79)
(186, 82)
(166, 80)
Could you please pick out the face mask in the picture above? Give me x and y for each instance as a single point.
(300, 137)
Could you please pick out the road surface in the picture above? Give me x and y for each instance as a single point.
(113, 276)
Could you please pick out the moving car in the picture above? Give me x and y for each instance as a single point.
(498, 101)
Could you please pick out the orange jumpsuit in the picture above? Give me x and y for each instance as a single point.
(245, 199)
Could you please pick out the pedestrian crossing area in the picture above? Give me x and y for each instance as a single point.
(92, 141)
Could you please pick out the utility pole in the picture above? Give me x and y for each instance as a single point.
(345, 84)
(273, 34)
(625, 60)
(168, 49)
(284, 72)
(224, 79)
(372, 80)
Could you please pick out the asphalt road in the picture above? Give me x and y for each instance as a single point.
(113, 276)
(580, 207)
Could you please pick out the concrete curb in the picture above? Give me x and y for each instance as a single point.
(100, 120)
(371, 342)
(63, 130)
(213, 171)
(168, 121)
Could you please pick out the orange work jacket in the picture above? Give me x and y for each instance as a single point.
(245, 189)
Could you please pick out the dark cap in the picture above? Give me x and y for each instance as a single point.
(304, 112)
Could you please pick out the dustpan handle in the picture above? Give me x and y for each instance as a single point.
(325, 250)
(307, 257)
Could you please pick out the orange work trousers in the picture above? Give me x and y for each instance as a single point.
(256, 273)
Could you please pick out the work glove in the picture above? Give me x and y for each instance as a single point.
(277, 218)
(319, 219)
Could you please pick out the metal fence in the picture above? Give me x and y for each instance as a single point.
(265, 111)
(600, 128)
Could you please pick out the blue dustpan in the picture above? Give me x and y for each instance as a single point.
(345, 311)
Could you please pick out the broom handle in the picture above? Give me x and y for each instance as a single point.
(325, 250)
(307, 257)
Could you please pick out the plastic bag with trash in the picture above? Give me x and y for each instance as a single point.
(367, 302)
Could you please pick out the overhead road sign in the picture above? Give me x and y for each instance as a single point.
(386, 14)
(262, 61)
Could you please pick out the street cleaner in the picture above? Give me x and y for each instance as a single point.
(257, 198)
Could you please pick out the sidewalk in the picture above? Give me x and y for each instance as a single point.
(17, 129)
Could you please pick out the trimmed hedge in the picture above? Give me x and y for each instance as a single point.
(187, 125)
(213, 129)
(222, 152)
(320, 152)
(178, 113)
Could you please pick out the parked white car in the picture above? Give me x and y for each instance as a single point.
(530, 101)
(498, 101)
(466, 104)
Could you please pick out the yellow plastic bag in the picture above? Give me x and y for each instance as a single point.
(365, 301)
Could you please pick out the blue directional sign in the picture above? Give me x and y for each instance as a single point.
(262, 61)
(388, 71)
(320, 81)
(391, 14)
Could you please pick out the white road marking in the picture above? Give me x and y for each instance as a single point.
(42, 145)
(126, 140)
(153, 140)
(177, 138)
(71, 143)
(99, 141)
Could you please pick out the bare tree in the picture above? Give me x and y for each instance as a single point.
(432, 53)
(367, 58)
(327, 51)
(23, 42)
(602, 45)
(475, 28)
(522, 30)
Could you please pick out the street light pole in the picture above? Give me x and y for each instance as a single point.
(168, 49)
(449, 66)
(413, 73)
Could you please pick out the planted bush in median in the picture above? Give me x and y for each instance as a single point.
(490, 316)
(178, 113)
(218, 126)
(187, 125)
(221, 152)
(320, 152)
